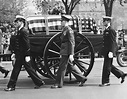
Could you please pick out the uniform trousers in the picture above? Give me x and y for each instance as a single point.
(107, 68)
(62, 70)
(20, 60)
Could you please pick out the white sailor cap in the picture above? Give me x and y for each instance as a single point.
(107, 18)
(20, 18)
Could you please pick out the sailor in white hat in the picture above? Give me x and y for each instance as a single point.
(20, 18)
(107, 21)
(107, 18)
(108, 51)
(21, 51)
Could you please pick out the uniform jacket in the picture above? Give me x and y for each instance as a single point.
(67, 41)
(20, 42)
(109, 41)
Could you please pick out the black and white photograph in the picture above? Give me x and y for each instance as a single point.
(63, 49)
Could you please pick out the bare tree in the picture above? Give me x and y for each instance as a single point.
(70, 5)
(108, 4)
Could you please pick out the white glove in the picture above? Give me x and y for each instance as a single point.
(60, 56)
(27, 58)
(13, 56)
(71, 58)
(110, 55)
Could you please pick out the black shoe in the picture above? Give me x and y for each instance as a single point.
(38, 86)
(56, 86)
(105, 84)
(82, 82)
(6, 73)
(123, 78)
(9, 89)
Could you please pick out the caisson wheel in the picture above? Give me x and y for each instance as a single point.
(122, 59)
(83, 55)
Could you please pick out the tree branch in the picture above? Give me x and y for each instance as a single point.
(75, 3)
(121, 2)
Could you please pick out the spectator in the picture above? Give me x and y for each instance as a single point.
(50, 10)
(2, 69)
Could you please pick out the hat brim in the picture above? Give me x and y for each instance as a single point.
(107, 18)
(65, 18)
(19, 19)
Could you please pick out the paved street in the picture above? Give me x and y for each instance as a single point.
(91, 90)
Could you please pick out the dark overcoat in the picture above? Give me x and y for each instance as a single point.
(20, 42)
(109, 41)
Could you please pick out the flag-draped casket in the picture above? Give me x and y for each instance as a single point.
(42, 28)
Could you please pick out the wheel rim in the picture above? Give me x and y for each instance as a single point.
(83, 56)
(122, 59)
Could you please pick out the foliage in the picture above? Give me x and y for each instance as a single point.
(10, 8)
(68, 6)
(41, 5)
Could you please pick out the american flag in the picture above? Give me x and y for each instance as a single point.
(53, 23)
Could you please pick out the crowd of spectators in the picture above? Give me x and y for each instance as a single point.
(6, 31)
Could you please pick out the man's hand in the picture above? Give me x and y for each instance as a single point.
(71, 58)
(110, 55)
(27, 58)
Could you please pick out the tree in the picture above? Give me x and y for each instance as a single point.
(108, 4)
(10, 8)
(70, 5)
(41, 5)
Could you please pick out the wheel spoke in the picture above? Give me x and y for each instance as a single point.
(56, 45)
(78, 44)
(54, 51)
(39, 60)
(53, 61)
(82, 56)
(53, 58)
(54, 65)
(82, 68)
(82, 61)
(81, 50)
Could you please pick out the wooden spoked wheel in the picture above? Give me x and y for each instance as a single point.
(83, 55)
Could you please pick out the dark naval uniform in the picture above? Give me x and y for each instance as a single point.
(21, 49)
(109, 45)
(67, 49)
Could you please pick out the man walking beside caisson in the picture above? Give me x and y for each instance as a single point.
(108, 51)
